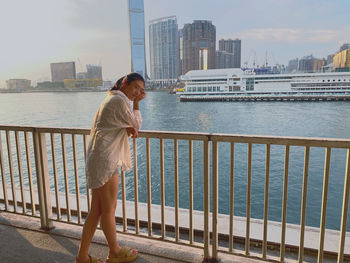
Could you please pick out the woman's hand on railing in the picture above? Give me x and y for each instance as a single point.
(132, 131)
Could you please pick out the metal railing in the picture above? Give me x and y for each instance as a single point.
(59, 201)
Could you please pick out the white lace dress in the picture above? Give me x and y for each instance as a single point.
(109, 143)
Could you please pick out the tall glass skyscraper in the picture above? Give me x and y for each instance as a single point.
(164, 48)
(137, 37)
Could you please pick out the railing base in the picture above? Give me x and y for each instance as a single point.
(210, 260)
(47, 228)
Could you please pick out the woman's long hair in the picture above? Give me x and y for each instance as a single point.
(126, 80)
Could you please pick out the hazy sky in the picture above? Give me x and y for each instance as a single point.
(36, 33)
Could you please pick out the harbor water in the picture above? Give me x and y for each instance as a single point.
(164, 112)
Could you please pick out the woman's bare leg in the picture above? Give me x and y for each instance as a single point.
(90, 226)
(109, 193)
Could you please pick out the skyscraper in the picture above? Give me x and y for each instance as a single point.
(137, 37)
(345, 46)
(233, 47)
(164, 48)
(199, 40)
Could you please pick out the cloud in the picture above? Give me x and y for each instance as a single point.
(294, 35)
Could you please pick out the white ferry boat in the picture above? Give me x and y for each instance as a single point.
(235, 84)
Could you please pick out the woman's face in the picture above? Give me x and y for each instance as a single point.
(134, 89)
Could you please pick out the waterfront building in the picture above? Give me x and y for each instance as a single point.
(82, 75)
(62, 70)
(82, 83)
(199, 40)
(341, 61)
(318, 64)
(18, 84)
(137, 37)
(164, 48)
(160, 83)
(233, 47)
(238, 85)
(48, 85)
(94, 71)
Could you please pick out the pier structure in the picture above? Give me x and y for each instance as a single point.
(264, 97)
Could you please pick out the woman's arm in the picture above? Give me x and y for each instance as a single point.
(136, 108)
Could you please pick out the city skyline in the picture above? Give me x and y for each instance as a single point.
(44, 32)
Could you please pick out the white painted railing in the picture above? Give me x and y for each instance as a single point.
(59, 203)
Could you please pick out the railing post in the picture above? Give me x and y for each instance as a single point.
(215, 200)
(206, 198)
(3, 178)
(346, 194)
(42, 174)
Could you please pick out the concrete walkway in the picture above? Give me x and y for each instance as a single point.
(22, 240)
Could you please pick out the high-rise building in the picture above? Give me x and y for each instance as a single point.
(164, 48)
(345, 46)
(341, 61)
(306, 64)
(233, 47)
(137, 37)
(94, 71)
(181, 49)
(330, 59)
(63, 70)
(224, 59)
(199, 51)
(318, 64)
(18, 84)
(293, 65)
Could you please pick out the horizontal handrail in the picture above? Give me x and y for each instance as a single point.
(220, 137)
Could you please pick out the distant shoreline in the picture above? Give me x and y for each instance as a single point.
(66, 91)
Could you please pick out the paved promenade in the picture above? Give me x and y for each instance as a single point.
(22, 241)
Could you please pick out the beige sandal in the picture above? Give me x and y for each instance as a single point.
(91, 260)
(124, 255)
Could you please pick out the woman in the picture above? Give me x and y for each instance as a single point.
(108, 151)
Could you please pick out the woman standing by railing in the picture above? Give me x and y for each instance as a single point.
(108, 152)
